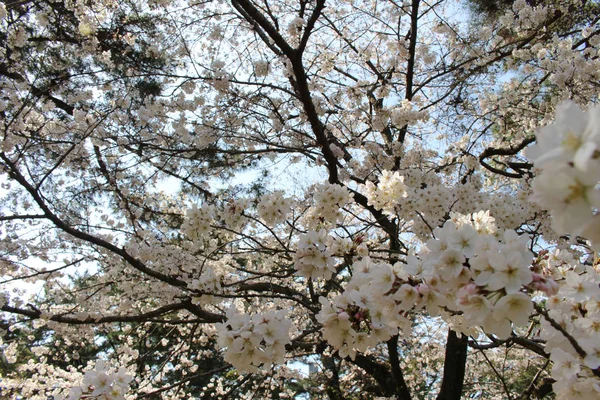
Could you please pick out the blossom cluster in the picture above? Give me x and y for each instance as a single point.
(102, 383)
(365, 314)
(571, 327)
(232, 214)
(567, 153)
(197, 223)
(254, 342)
(470, 273)
(274, 207)
(261, 68)
(208, 282)
(295, 26)
(488, 269)
(388, 191)
(405, 114)
(313, 258)
(328, 200)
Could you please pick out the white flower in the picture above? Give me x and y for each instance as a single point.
(382, 278)
(388, 192)
(569, 194)
(430, 299)
(101, 382)
(574, 136)
(568, 154)
(516, 307)
(450, 264)
(464, 240)
(577, 388)
(406, 296)
(482, 269)
(274, 207)
(476, 307)
(483, 222)
(122, 378)
(115, 392)
(498, 325)
(328, 200)
(578, 287)
(362, 341)
(592, 358)
(197, 222)
(591, 231)
(75, 393)
(565, 366)
(336, 330)
(256, 342)
(510, 272)
(295, 26)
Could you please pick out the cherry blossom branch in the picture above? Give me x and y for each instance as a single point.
(378, 371)
(275, 288)
(559, 328)
(500, 377)
(184, 381)
(15, 174)
(46, 272)
(310, 24)
(530, 344)
(333, 379)
(412, 50)
(532, 387)
(90, 319)
(37, 92)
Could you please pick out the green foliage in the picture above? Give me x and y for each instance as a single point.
(489, 9)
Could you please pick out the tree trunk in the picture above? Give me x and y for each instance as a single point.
(454, 367)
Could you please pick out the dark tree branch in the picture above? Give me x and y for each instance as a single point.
(310, 24)
(519, 167)
(492, 151)
(37, 92)
(255, 18)
(529, 344)
(576, 346)
(275, 288)
(21, 217)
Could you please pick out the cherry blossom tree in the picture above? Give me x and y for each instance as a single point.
(199, 198)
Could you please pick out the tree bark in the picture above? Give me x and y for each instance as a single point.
(454, 367)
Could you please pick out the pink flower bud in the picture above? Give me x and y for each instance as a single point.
(471, 289)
